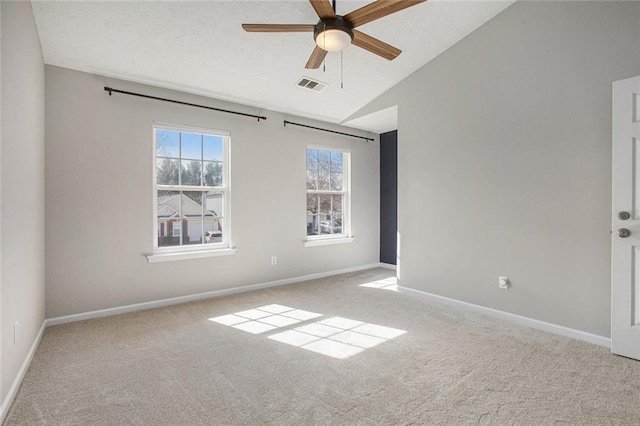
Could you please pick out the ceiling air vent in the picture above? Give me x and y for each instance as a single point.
(315, 85)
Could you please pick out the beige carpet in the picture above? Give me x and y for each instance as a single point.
(356, 355)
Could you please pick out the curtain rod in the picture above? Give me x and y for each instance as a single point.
(327, 130)
(124, 92)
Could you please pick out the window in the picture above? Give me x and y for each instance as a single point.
(327, 194)
(191, 189)
(177, 229)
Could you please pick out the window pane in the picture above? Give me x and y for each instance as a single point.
(337, 224)
(323, 180)
(337, 204)
(212, 147)
(312, 224)
(192, 203)
(166, 171)
(336, 161)
(325, 203)
(336, 181)
(312, 179)
(312, 204)
(191, 173)
(324, 161)
(214, 203)
(168, 211)
(191, 145)
(213, 217)
(215, 236)
(167, 144)
(325, 224)
(213, 173)
(312, 159)
(192, 217)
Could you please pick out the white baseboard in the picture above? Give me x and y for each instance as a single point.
(13, 390)
(518, 319)
(199, 296)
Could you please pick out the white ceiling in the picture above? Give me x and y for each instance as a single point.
(384, 120)
(200, 47)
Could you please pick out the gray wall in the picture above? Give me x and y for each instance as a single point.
(99, 197)
(22, 189)
(505, 161)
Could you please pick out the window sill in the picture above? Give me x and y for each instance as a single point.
(196, 254)
(328, 241)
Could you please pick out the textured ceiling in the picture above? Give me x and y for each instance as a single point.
(200, 47)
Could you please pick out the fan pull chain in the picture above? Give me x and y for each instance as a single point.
(341, 71)
(324, 35)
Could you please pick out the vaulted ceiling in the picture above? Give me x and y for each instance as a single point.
(200, 47)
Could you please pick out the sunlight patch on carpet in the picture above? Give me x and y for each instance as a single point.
(265, 318)
(336, 337)
(390, 283)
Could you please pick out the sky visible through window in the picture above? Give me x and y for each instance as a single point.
(169, 144)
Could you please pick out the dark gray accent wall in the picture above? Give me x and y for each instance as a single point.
(388, 196)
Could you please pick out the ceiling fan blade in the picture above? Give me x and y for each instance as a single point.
(374, 45)
(316, 58)
(278, 28)
(323, 8)
(377, 10)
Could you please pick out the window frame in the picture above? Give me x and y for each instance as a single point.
(345, 235)
(169, 252)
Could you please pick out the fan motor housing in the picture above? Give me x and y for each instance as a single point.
(337, 23)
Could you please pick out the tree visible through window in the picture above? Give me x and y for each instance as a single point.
(327, 174)
(190, 187)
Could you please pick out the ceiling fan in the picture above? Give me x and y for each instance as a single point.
(334, 32)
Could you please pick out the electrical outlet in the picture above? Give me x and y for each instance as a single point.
(274, 260)
(503, 282)
(15, 332)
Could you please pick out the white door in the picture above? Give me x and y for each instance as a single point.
(625, 222)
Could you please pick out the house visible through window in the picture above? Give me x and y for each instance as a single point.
(191, 188)
(327, 193)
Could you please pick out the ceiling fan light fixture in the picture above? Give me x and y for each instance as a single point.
(333, 40)
(333, 35)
